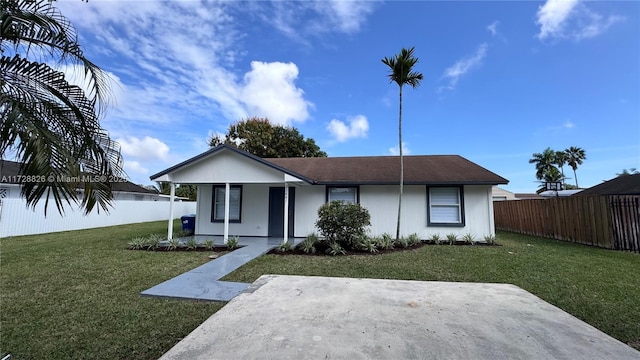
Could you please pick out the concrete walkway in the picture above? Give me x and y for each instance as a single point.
(300, 317)
(202, 283)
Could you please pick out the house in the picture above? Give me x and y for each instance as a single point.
(10, 187)
(244, 195)
(527, 196)
(621, 185)
(500, 194)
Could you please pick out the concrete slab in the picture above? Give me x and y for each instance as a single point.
(296, 317)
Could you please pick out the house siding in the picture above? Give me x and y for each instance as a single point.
(380, 200)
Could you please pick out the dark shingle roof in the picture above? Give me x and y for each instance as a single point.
(426, 169)
(622, 185)
(10, 169)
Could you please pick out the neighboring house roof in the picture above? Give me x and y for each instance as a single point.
(523, 196)
(426, 169)
(560, 193)
(621, 185)
(11, 169)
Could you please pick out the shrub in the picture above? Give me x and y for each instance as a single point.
(153, 241)
(469, 239)
(232, 243)
(308, 245)
(137, 243)
(369, 245)
(413, 239)
(191, 244)
(402, 242)
(208, 244)
(385, 242)
(284, 247)
(335, 249)
(343, 223)
(435, 238)
(451, 238)
(173, 244)
(490, 239)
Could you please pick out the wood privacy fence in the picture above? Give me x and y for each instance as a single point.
(611, 222)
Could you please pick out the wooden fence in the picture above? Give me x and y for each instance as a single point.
(611, 222)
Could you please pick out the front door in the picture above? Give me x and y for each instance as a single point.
(276, 211)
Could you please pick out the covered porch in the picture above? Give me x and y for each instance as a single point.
(238, 195)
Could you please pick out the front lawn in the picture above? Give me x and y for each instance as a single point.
(76, 294)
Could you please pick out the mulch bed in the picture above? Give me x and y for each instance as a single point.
(321, 249)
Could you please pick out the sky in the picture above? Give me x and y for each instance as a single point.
(502, 79)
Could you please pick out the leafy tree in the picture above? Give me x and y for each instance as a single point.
(187, 191)
(261, 138)
(631, 171)
(50, 125)
(401, 72)
(163, 187)
(575, 155)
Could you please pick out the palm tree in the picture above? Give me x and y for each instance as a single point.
(50, 125)
(631, 171)
(545, 162)
(575, 155)
(560, 160)
(401, 72)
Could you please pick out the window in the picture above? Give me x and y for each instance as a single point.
(346, 194)
(445, 206)
(235, 203)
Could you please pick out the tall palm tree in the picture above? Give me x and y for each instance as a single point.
(51, 125)
(560, 160)
(544, 163)
(575, 155)
(401, 72)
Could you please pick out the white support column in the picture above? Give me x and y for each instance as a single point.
(227, 190)
(286, 213)
(172, 195)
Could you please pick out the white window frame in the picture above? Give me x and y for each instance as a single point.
(459, 205)
(356, 193)
(219, 200)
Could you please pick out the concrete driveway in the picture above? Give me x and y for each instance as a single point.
(298, 317)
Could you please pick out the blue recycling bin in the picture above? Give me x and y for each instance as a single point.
(188, 223)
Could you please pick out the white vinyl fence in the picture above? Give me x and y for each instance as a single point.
(16, 219)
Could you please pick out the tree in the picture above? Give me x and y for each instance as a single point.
(51, 125)
(575, 155)
(560, 160)
(631, 171)
(187, 191)
(261, 138)
(545, 167)
(401, 72)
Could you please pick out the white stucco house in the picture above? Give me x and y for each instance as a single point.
(244, 195)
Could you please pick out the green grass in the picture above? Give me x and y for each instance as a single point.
(598, 286)
(76, 295)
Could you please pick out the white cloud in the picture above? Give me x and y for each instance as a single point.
(569, 125)
(464, 65)
(357, 128)
(269, 91)
(135, 167)
(571, 19)
(493, 27)
(396, 150)
(144, 149)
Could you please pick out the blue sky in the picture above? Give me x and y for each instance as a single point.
(502, 80)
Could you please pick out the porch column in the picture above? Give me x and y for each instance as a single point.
(286, 213)
(227, 190)
(172, 195)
